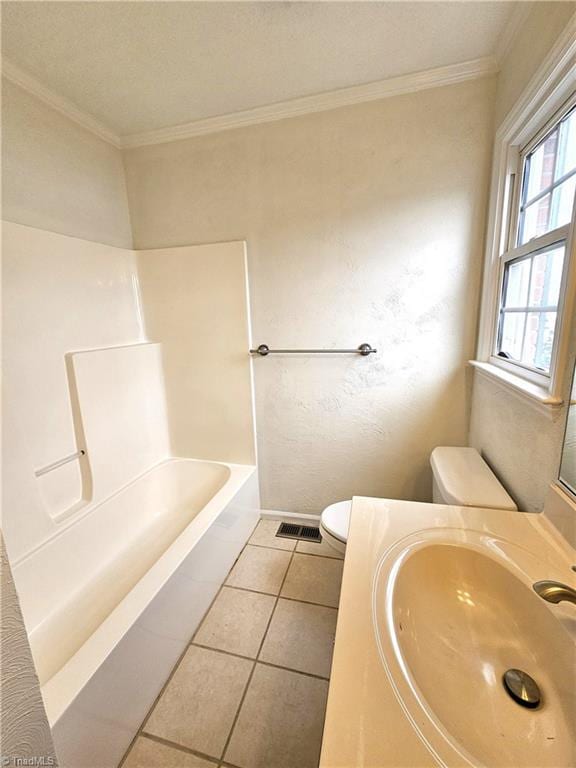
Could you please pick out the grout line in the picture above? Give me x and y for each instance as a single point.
(281, 596)
(228, 740)
(317, 554)
(297, 551)
(253, 591)
(260, 661)
(295, 671)
(307, 602)
(268, 546)
(225, 653)
(180, 747)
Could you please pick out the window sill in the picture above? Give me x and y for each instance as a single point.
(532, 394)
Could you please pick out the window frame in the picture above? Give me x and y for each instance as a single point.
(556, 237)
(559, 115)
(516, 257)
(549, 97)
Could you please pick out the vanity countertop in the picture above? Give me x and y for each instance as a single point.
(367, 721)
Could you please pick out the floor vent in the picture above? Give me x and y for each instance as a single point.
(293, 531)
(310, 533)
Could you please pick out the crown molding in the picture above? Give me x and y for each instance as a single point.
(14, 74)
(321, 102)
(381, 89)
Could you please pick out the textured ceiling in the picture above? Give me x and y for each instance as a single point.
(141, 66)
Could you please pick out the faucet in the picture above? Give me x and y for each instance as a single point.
(555, 592)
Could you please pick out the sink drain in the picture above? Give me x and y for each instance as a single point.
(522, 688)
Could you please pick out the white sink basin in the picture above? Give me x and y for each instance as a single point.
(450, 620)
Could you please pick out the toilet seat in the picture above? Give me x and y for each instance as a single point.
(334, 524)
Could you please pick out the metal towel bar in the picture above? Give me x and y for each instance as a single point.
(60, 462)
(264, 349)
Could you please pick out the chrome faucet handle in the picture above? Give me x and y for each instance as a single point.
(555, 592)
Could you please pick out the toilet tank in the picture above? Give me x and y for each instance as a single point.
(462, 478)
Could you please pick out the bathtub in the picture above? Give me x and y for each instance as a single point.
(111, 601)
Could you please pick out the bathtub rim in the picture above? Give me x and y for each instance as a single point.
(86, 510)
(62, 688)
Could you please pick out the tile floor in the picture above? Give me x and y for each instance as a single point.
(250, 690)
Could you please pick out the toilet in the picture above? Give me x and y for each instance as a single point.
(461, 477)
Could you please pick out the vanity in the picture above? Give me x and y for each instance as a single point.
(437, 604)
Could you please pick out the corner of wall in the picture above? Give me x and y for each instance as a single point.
(25, 731)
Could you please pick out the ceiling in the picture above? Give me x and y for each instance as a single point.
(144, 66)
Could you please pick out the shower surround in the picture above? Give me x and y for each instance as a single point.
(134, 368)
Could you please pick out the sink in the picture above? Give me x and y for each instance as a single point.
(450, 618)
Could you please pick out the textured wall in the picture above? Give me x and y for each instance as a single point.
(522, 445)
(25, 730)
(363, 224)
(59, 176)
(519, 442)
(544, 22)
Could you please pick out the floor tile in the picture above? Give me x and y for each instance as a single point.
(301, 637)
(260, 569)
(281, 721)
(265, 536)
(236, 622)
(198, 707)
(314, 579)
(323, 548)
(150, 754)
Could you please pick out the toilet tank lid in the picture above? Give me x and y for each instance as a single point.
(464, 479)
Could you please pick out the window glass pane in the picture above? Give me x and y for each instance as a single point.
(546, 201)
(528, 338)
(532, 283)
(513, 334)
(517, 282)
(539, 339)
(535, 219)
(540, 168)
(566, 160)
(562, 201)
(546, 278)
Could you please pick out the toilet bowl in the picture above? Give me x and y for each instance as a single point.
(461, 478)
(334, 524)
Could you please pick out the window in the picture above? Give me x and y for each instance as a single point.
(529, 309)
(549, 181)
(533, 264)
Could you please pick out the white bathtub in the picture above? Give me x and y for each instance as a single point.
(111, 602)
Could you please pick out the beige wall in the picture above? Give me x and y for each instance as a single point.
(25, 730)
(58, 176)
(522, 444)
(364, 224)
(542, 26)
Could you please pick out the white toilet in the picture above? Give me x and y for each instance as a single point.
(461, 477)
